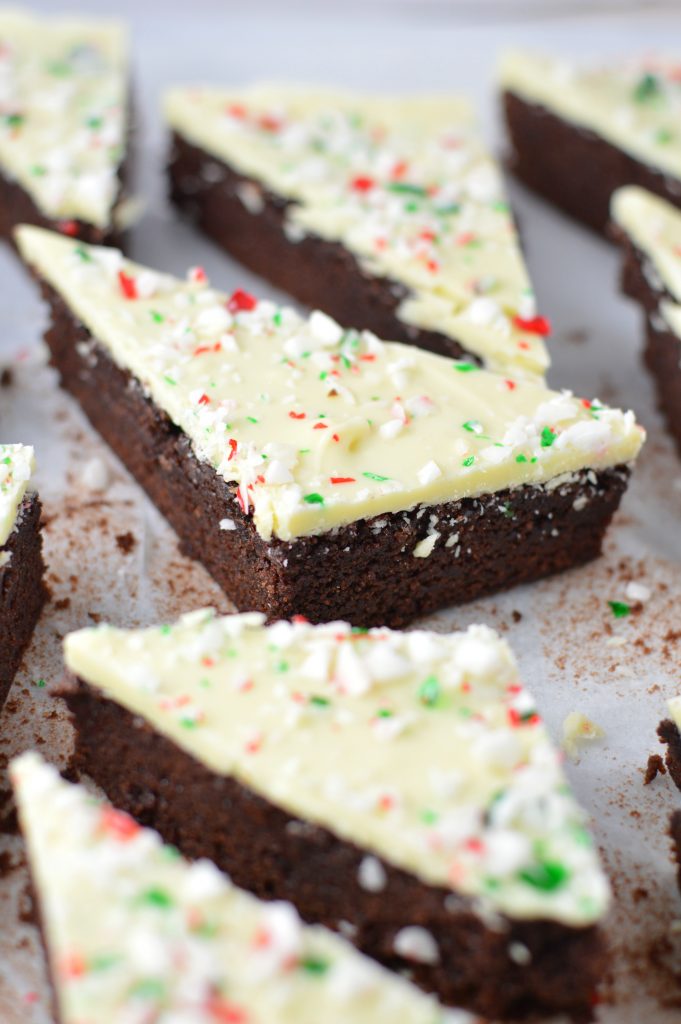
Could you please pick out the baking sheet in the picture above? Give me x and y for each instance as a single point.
(111, 556)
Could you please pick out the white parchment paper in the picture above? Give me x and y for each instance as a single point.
(111, 556)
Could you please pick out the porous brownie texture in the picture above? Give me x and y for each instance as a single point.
(249, 222)
(22, 591)
(499, 967)
(573, 167)
(662, 352)
(365, 572)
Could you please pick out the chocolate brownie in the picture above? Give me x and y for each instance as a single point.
(579, 134)
(326, 495)
(290, 757)
(22, 592)
(68, 171)
(386, 213)
(110, 896)
(649, 232)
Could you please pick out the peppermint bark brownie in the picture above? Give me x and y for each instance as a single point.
(63, 124)
(319, 471)
(385, 212)
(22, 593)
(649, 231)
(579, 133)
(397, 787)
(135, 933)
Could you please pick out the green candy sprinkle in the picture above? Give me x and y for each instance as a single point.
(521, 458)
(320, 702)
(157, 898)
(375, 476)
(404, 188)
(149, 988)
(466, 367)
(314, 499)
(469, 461)
(314, 965)
(546, 875)
(472, 426)
(547, 437)
(429, 692)
(647, 88)
(619, 609)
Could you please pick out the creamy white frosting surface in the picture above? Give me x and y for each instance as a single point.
(321, 426)
(423, 749)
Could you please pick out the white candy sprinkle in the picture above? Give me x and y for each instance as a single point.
(431, 471)
(637, 592)
(417, 944)
(371, 875)
(94, 474)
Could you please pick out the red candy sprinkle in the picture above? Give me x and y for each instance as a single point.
(118, 824)
(269, 123)
(73, 966)
(321, 426)
(233, 445)
(535, 325)
(128, 285)
(204, 399)
(225, 1012)
(237, 110)
(510, 384)
(362, 183)
(241, 301)
(297, 415)
(68, 227)
(342, 479)
(198, 275)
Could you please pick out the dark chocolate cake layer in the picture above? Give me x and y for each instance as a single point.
(530, 967)
(364, 572)
(573, 167)
(22, 592)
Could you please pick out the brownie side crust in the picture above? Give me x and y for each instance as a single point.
(483, 966)
(675, 833)
(365, 572)
(249, 222)
(573, 167)
(22, 591)
(662, 353)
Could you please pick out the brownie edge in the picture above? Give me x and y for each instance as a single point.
(573, 167)
(528, 968)
(22, 591)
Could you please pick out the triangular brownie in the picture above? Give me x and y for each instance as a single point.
(386, 212)
(578, 132)
(64, 124)
(397, 786)
(297, 459)
(649, 230)
(134, 933)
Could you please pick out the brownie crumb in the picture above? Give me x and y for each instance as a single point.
(654, 768)
(126, 542)
(516, 615)
(6, 377)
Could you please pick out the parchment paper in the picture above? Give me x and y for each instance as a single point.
(111, 556)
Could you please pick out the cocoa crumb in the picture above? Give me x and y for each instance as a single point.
(126, 542)
(6, 377)
(654, 768)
